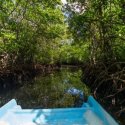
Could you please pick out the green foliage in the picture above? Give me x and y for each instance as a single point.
(30, 28)
(33, 31)
(74, 54)
(101, 23)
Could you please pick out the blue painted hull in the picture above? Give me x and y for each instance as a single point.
(91, 113)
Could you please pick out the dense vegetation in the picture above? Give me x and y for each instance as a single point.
(101, 24)
(81, 32)
(30, 31)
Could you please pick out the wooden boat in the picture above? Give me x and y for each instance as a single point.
(91, 113)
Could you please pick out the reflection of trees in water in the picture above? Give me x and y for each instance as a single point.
(49, 91)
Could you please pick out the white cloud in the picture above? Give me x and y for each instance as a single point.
(64, 1)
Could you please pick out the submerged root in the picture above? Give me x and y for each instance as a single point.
(107, 83)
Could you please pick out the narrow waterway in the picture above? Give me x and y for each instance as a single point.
(48, 91)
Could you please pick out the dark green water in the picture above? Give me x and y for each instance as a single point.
(47, 91)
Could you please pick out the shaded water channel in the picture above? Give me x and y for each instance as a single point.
(48, 91)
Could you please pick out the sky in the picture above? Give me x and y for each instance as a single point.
(64, 1)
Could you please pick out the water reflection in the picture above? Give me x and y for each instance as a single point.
(48, 91)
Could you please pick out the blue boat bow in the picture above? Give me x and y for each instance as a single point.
(91, 113)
